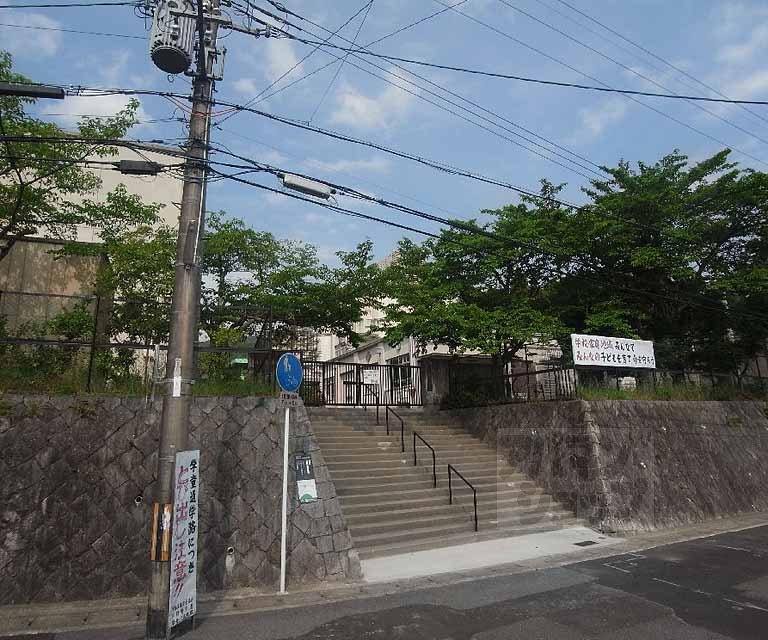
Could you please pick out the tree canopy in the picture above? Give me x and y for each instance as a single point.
(673, 252)
(45, 189)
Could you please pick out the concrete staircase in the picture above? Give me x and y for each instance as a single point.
(391, 505)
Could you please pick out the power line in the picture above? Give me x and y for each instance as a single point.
(507, 76)
(434, 164)
(594, 79)
(629, 69)
(341, 65)
(475, 230)
(454, 103)
(653, 55)
(550, 200)
(87, 33)
(382, 38)
(408, 210)
(69, 4)
(255, 99)
(322, 167)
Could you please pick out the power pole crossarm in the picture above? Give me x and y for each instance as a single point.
(31, 90)
(174, 425)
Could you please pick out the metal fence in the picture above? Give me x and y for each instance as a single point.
(546, 375)
(349, 384)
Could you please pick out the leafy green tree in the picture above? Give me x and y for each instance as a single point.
(670, 252)
(258, 283)
(472, 291)
(43, 189)
(676, 254)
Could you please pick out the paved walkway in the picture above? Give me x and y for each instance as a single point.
(478, 555)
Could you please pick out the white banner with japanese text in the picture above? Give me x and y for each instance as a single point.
(602, 351)
(186, 496)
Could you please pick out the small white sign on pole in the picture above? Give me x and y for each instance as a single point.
(370, 376)
(603, 351)
(184, 565)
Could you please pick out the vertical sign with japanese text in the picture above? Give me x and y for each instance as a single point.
(186, 496)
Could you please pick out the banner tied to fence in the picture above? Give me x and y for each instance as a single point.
(603, 351)
(186, 496)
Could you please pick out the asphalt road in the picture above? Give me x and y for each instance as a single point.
(713, 588)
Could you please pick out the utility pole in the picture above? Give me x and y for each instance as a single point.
(171, 46)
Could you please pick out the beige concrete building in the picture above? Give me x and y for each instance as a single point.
(34, 282)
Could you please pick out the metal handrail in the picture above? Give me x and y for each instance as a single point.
(434, 458)
(402, 426)
(468, 483)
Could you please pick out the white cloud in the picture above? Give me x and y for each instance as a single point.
(247, 86)
(748, 86)
(745, 50)
(280, 57)
(340, 166)
(31, 41)
(97, 106)
(732, 18)
(364, 112)
(595, 120)
(313, 217)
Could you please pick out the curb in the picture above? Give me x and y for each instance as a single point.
(130, 612)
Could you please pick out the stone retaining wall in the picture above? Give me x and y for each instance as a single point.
(77, 485)
(630, 466)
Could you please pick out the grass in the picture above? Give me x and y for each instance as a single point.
(672, 392)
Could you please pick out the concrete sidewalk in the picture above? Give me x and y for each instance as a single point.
(124, 618)
(479, 555)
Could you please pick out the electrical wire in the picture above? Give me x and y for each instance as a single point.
(318, 164)
(86, 33)
(460, 225)
(332, 62)
(657, 57)
(507, 76)
(256, 99)
(594, 79)
(417, 94)
(475, 230)
(434, 164)
(341, 65)
(631, 70)
(68, 4)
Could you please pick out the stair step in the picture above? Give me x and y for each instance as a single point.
(362, 477)
(372, 536)
(384, 455)
(375, 465)
(457, 517)
(393, 480)
(439, 499)
(485, 512)
(441, 541)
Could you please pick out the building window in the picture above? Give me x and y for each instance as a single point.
(400, 371)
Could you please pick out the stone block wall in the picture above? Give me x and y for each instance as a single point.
(629, 466)
(78, 480)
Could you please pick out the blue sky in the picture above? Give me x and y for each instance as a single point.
(722, 43)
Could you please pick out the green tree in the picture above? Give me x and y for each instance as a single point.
(676, 253)
(258, 283)
(43, 188)
(671, 252)
(481, 288)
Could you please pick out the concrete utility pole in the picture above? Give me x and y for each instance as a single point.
(171, 54)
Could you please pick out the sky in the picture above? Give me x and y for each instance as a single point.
(719, 42)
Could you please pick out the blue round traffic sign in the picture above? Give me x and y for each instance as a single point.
(289, 373)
